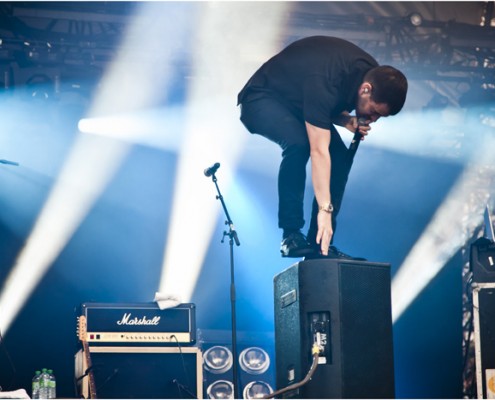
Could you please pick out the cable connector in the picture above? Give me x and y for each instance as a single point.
(316, 349)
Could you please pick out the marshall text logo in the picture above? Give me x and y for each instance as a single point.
(127, 320)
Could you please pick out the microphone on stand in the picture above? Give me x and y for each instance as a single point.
(7, 162)
(211, 170)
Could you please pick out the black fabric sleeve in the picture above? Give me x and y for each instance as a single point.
(320, 100)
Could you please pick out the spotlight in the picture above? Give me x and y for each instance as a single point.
(218, 359)
(415, 19)
(254, 360)
(256, 390)
(220, 390)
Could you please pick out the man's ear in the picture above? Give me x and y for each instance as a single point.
(365, 88)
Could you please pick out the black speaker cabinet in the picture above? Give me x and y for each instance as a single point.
(143, 372)
(484, 338)
(345, 306)
(482, 260)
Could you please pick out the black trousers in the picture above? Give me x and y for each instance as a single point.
(275, 121)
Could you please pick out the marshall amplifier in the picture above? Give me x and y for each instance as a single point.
(139, 324)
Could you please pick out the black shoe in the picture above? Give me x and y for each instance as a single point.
(295, 245)
(333, 253)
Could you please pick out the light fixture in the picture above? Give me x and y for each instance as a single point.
(40, 86)
(415, 19)
(254, 360)
(218, 359)
(256, 390)
(220, 390)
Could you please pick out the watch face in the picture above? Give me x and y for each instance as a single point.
(328, 208)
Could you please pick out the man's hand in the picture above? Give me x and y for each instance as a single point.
(325, 231)
(351, 124)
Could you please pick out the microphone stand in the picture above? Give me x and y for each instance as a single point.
(232, 234)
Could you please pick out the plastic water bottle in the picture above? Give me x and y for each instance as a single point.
(44, 384)
(52, 387)
(35, 386)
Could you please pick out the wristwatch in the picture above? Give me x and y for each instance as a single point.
(327, 207)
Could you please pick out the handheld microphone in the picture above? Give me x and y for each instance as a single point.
(211, 170)
(357, 136)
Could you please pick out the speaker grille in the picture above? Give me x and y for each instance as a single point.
(365, 305)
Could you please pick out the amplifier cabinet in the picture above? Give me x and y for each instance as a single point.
(344, 306)
(142, 372)
(484, 338)
(139, 324)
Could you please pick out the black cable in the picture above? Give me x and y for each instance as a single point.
(108, 379)
(186, 375)
(315, 351)
(467, 327)
(471, 383)
(77, 346)
(76, 381)
(468, 342)
(12, 366)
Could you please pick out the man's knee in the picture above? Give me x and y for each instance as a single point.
(296, 149)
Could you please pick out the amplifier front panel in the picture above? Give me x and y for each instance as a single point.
(135, 323)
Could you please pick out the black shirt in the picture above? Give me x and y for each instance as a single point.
(317, 78)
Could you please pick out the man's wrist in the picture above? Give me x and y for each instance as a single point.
(327, 207)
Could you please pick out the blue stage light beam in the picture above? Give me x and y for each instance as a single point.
(136, 79)
(157, 128)
(450, 228)
(437, 136)
(233, 39)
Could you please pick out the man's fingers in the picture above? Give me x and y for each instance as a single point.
(323, 238)
(324, 247)
(364, 129)
(318, 236)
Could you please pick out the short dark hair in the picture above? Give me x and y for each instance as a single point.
(389, 87)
